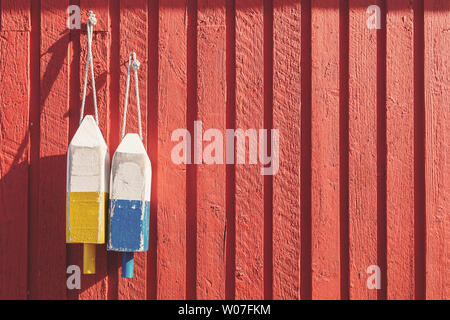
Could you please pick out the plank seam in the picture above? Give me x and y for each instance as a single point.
(34, 134)
(381, 153)
(113, 259)
(305, 133)
(153, 14)
(268, 124)
(191, 169)
(344, 147)
(419, 153)
(74, 116)
(230, 224)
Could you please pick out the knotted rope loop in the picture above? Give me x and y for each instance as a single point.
(136, 64)
(92, 21)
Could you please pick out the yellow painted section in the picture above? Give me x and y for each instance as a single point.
(85, 217)
(89, 258)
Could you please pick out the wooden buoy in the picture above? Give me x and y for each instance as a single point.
(88, 168)
(129, 211)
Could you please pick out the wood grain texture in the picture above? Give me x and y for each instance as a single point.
(197, 54)
(400, 150)
(133, 38)
(249, 182)
(14, 148)
(286, 119)
(437, 161)
(47, 271)
(325, 237)
(15, 16)
(172, 99)
(362, 149)
(211, 108)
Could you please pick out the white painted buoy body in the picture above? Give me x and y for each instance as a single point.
(88, 169)
(129, 211)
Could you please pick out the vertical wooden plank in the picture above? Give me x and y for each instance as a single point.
(249, 181)
(286, 119)
(133, 38)
(400, 149)
(14, 147)
(437, 126)
(325, 149)
(47, 272)
(93, 286)
(362, 149)
(172, 98)
(211, 104)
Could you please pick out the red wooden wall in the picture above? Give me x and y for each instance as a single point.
(364, 124)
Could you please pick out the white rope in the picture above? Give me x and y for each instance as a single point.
(136, 64)
(89, 63)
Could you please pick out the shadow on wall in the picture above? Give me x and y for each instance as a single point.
(13, 230)
(51, 239)
(107, 263)
(16, 222)
(32, 217)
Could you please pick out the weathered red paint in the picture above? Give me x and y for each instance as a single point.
(400, 149)
(363, 119)
(46, 234)
(14, 146)
(249, 181)
(437, 179)
(172, 112)
(211, 110)
(325, 164)
(286, 183)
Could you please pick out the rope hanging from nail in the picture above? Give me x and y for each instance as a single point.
(89, 63)
(136, 64)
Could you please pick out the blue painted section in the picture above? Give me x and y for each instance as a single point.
(128, 230)
(127, 264)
